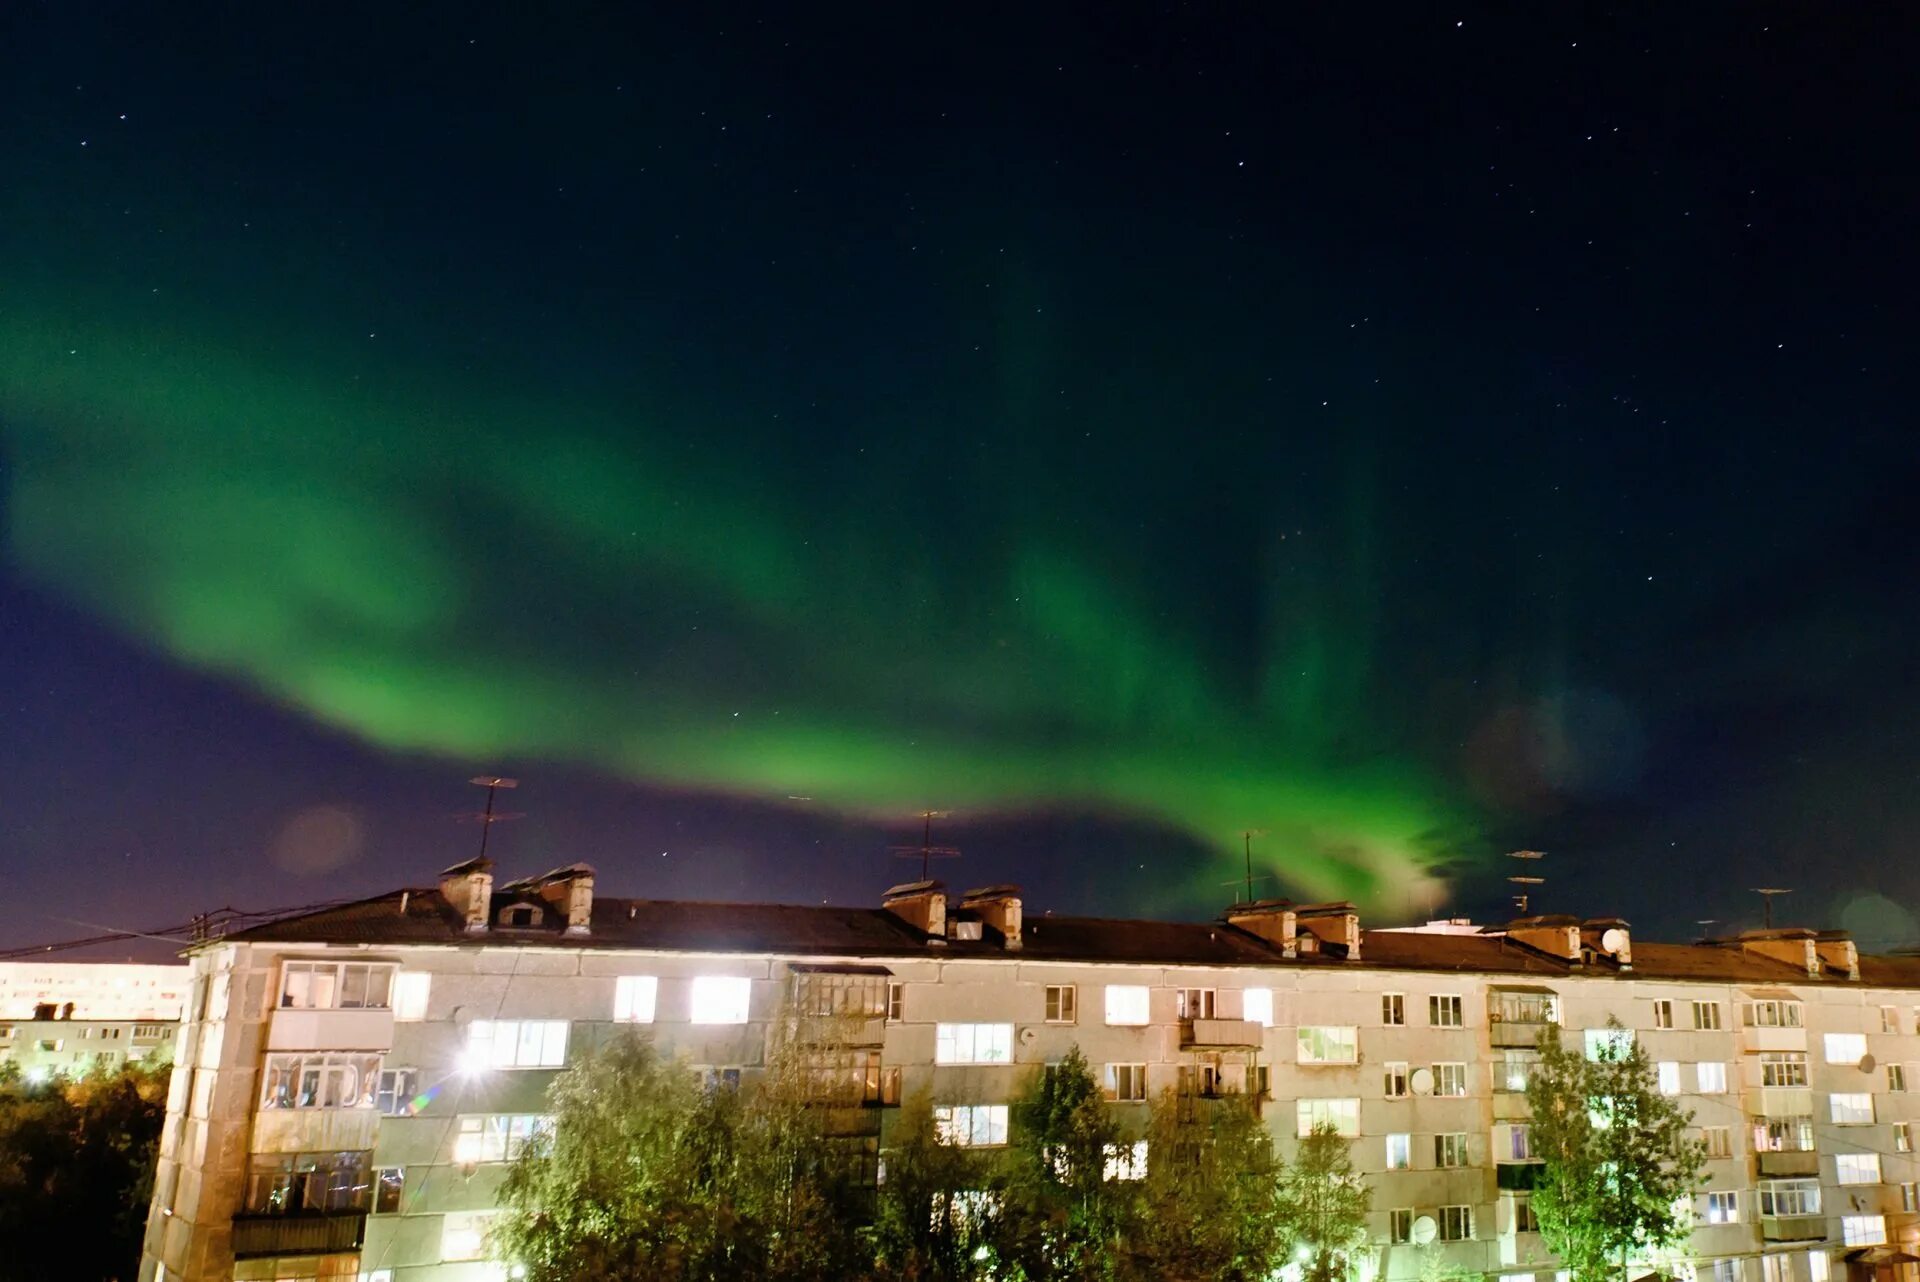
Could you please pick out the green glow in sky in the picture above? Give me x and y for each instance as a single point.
(441, 566)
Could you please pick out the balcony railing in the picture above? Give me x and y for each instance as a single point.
(1222, 1032)
(255, 1235)
(1788, 1162)
(1792, 1228)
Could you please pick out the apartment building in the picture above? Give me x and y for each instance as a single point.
(67, 1018)
(351, 1082)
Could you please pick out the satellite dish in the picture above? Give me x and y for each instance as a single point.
(1422, 1081)
(1867, 1063)
(1424, 1230)
(1028, 1036)
(1614, 939)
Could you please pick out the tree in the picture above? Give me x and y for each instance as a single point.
(76, 1171)
(937, 1214)
(1065, 1219)
(1618, 1167)
(646, 1174)
(1210, 1202)
(1326, 1203)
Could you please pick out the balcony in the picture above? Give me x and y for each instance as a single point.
(256, 1235)
(1517, 1176)
(330, 1030)
(1774, 1039)
(1789, 1162)
(1222, 1032)
(1793, 1228)
(1783, 1101)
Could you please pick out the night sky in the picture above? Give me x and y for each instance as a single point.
(1410, 432)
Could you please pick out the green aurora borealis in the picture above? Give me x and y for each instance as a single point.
(1412, 439)
(442, 576)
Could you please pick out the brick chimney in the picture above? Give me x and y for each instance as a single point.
(1837, 951)
(468, 890)
(1271, 920)
(999, 907)
(570, 891)
(1335, 927)
(1554, 936)
(922, 905)
(1795, 946)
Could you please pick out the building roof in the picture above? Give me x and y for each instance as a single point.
(423, 916)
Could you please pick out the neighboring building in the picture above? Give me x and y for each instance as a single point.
(65, 1018)
(351, 1081)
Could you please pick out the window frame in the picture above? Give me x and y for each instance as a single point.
(1439, 1004)
(1120, 1003)
(487, 1033)
(1062, 1004)
(636, 999)
(952, 1046)
(1393, 1010)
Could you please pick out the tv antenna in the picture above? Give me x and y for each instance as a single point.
(1246, 846)
(1766, 894)
(489, 817)
(926, 851)
(1523, 896)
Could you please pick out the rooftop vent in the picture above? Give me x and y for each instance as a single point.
(468, 889)
(922, 905)
(998, 907)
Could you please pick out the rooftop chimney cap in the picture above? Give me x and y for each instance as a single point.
(1333, 908)
(906, 888)
(991, 892)
(482, 864)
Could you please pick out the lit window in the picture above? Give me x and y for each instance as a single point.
(1712, 1078)
(1789, 1197)
(973, 1044)
(1450, 1150)
(1773, 1268)
(1445, 1012)
(1851, 1110)
(1450, 1079)
(1723, 1208)
(410, 991)
(1328, 1045)
(1126, 1004)
(1456, 1223)
(721, 999)
(971, 1125)
(335, 985)
(1126, 1082)
(1520, 1142)
(1393, 1008)
(1396, 1080)
(1126, 1161)
(1341, 1114)
(1863, 1230)
(1669, 1077)
(516, 1043)
(1516, 1066)
(1774, 1014)
(497, 1137)
(1706, 1015)
(1663, 1014)
(1609, 1043)
(314, 1080)
(1400, 1224)
(1256, 1006)
(1194, 1003)
(1856, 1168)
(1718, 1141)
(1817, 1266)
(1062, 1003)
(634, 997)
(1399, 1152)
(463, 1234)
(1726, 1270)
(1846, 1048)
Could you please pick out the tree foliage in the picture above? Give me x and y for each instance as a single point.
(1325, 1204)
(1065, 1219)
(1618, 1166)
(938, 1216)
(76, 1171)
(1210, 1207)
(648, 1175)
